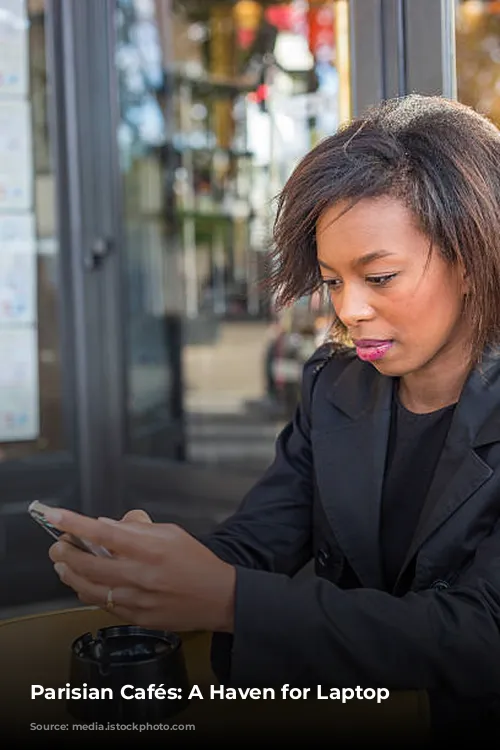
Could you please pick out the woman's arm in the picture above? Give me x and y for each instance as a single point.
(311, 632)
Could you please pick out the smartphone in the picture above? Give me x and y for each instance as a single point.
(37, 514)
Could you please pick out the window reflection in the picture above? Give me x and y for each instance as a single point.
(255, 87)
(216, 110)
(478, 56)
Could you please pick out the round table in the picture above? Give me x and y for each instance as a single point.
(36, 650)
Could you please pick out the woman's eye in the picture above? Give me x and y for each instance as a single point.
(332, 283)
(381, 280)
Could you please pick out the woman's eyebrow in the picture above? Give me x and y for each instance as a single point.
(364, 260)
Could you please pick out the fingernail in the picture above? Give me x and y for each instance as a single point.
(60, 569)
(107, 520)
(51, 514)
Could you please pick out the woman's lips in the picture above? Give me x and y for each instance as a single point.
(370, 350)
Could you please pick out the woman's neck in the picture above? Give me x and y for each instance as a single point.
(433, 387)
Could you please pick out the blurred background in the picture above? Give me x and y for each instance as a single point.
(142, 142)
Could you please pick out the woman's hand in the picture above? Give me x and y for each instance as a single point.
(159, 576)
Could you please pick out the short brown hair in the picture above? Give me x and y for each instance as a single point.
(441, 158)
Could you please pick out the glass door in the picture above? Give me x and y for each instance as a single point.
(216, 101)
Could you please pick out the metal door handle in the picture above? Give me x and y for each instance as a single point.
(99, 250)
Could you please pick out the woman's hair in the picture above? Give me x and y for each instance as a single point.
(441, 159)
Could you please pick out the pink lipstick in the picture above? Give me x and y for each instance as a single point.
(370, 350)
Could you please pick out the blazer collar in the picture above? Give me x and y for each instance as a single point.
(350, 448)
(360, 390)
(479, 404)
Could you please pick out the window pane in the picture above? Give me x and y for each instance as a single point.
(30, 345)
(218, 101)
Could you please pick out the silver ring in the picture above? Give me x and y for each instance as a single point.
(109, 600)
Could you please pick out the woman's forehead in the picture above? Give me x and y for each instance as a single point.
(366, 217)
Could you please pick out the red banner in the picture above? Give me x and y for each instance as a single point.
(321, 28)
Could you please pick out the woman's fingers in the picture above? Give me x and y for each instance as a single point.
(124, 602)
(134, 540)
(112, 572)
(133, 516)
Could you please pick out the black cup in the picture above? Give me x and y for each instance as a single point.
(128, 655)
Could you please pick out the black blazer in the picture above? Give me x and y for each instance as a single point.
(439, 628)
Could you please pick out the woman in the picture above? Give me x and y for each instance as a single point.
(388, 477)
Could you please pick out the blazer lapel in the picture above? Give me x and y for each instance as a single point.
(350, 465)
(460, 471)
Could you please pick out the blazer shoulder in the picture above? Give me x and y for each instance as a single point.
(329, 356)
(336, 356)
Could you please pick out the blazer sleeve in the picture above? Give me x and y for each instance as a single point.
(310, 632)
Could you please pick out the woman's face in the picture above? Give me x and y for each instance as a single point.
(401, 307)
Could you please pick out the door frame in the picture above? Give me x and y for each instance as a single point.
(88, 204)
(387, 57)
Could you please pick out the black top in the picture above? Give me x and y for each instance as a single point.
(415, 444)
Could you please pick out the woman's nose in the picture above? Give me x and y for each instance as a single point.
(352, 306)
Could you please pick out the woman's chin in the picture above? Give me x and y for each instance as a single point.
(394, 367)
